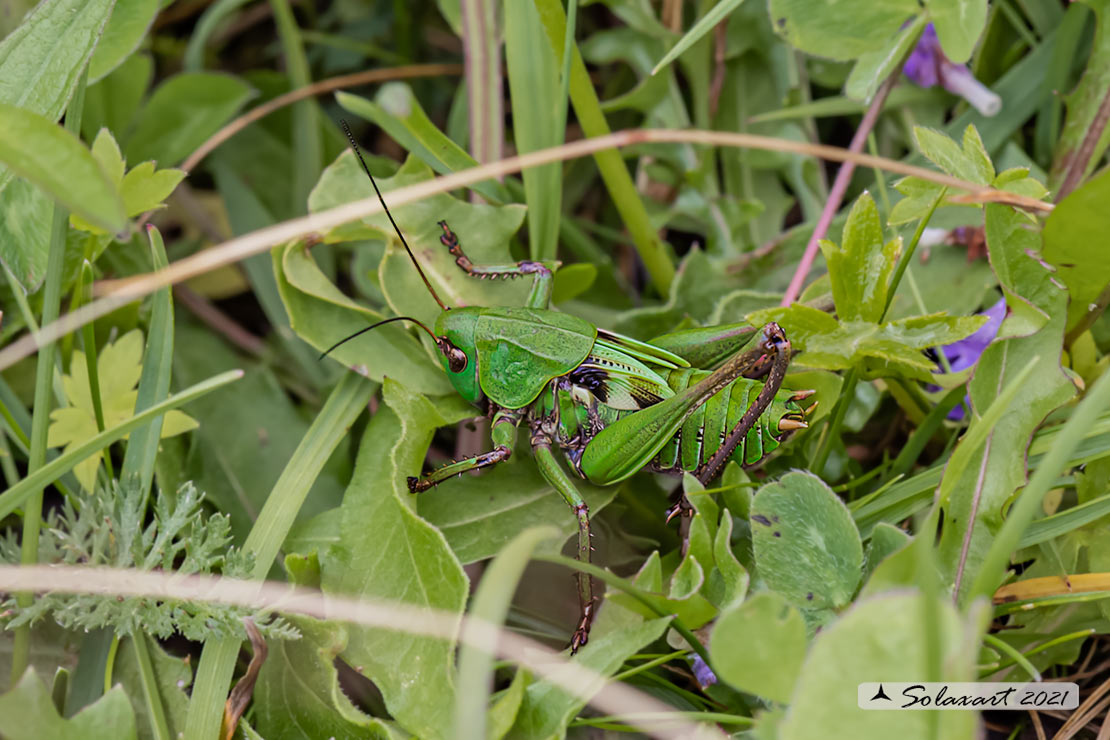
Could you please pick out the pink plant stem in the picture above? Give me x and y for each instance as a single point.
(839, 186)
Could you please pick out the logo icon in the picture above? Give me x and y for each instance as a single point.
(880, 694)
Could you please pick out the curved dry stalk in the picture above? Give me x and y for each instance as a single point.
(119, 293)
(308, 91)
(572, 677)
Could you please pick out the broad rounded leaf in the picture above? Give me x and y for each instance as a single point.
(880, 639)
(842, 30)
(806, 545)
(759, 646)
(1074, 240)
(959, 24)
(182, 113)
(36, 148)
(125, 30)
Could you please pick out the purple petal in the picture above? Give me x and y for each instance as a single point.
(705, 675)
(924, 61)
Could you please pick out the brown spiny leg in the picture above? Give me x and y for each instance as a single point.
(541, 288)
(561, 482)
(776, 347)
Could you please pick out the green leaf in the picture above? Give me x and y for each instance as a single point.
(694, 610)
(15, 495)
(843, 30)
(126, 28)
(759, 645)
(298, 693)
(704, 25)
(480, 514)
(806, 545)
(112, 102)
(398, 112)
(969, 162)
(727, 583)
(536, 105)
(491, 604)
(142, 189)
(54, 159)
(875, 66)
(1072, 235)
(861, 267)
(883, 349)
(28, 713)
(172, 675)
(503, 713)
(119, 366)
(387, 551)
(484, 232)
(1084, 103)
(41, 60)
(322, 315)
(154, 383)
(980, 493)
(217, 662)
(881, 639)
(617, 634)
(959, 24)
(1023, 280)
(182, 113)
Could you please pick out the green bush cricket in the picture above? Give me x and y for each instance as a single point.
(688, 401)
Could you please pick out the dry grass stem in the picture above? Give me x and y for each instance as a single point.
(572, 677)
(119, 293)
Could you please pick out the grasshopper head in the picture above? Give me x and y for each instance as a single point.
(455, 330)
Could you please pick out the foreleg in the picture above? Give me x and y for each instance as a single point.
(540, 296)
(561, 482)
(503, 432)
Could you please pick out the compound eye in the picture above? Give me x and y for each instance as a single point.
(456, 360)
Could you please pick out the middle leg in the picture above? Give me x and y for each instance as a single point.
(561, 482)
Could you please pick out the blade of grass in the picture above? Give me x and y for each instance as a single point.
(534, 85)
(1030, 499)
(217, 662)
(610, 164)
(482, 49)
(154, 383)
(490, 603)
(703, 26)
(160, 729)
(42, 476)
(400, 115)
(307, 148)
(44, 385)
(1062, 522)
(205, 28)
(88, 337)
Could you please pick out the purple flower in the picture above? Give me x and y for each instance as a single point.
(927, 66)
(966, 352)
(705, 675)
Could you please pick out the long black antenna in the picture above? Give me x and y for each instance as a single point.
(360, 332)
(354, 146)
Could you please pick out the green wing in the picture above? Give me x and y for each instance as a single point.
(648, 353)
(620, 380)
(520, 350)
